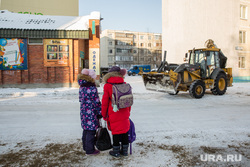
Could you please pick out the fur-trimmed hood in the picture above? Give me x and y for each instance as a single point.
(111, 74)
(85, 77)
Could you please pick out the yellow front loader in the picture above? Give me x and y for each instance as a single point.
(206, 69)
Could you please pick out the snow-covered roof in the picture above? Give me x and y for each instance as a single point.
(9, 20)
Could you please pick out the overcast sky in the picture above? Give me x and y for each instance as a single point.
(132, 15)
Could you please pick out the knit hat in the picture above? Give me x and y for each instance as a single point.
(118, 69)
(89, 72)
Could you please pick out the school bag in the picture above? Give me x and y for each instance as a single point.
(122, 96)
(131, 134)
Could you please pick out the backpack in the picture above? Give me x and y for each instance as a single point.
(122, 96)
(131, 134)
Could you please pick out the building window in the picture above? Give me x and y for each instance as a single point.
(242, 36)
(134, 51)
(118, 50)
(120, 43)
(35, 41)
(141, 37)
(243, 12)
(141, 44)
(149, 37)
(110, 43)
(241, 62)
(110, 51)
(117, 42)
(157, 37)
(117, 58)
(110, 59)
(110, 35)
(149, 45)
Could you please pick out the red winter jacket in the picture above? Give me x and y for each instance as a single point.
(118, 122)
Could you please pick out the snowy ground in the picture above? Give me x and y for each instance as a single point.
(41, 127)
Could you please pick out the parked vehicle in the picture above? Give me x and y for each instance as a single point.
(103, 71)
(139, 69)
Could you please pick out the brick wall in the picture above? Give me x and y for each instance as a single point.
(37, 73)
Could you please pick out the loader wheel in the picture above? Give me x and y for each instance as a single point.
(220, 85)
(133, 74)
(197, 89)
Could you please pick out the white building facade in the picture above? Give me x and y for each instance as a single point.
(127, 48)
(189, 23)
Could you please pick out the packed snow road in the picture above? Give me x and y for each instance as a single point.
(40, 127)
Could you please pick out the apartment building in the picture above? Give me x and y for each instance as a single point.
(127, 48)
(187, 24)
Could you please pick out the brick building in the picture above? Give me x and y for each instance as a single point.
(47, 51)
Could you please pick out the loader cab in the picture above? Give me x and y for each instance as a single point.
(208, 60)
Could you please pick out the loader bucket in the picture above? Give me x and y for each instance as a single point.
(162, 82)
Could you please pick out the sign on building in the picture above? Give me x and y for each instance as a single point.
(57, 52)
(94, 60)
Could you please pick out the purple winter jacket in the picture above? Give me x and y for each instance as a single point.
(90, 102)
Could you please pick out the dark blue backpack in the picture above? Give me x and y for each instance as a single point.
(131, 134)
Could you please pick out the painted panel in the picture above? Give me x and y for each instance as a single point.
(13, 54)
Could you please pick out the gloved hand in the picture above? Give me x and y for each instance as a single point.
(99, 116)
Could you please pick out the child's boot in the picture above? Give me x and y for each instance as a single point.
(115, 152)
(124, 150)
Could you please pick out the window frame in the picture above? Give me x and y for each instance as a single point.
(242, 37)
(241, 63)
(243, 15)
(35, 43)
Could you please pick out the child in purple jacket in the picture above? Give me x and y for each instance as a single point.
(90, 109)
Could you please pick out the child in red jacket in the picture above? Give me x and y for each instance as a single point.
(118, 122)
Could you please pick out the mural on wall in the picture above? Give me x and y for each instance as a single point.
(13, 54)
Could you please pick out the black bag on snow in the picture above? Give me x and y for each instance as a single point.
(103, 141)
